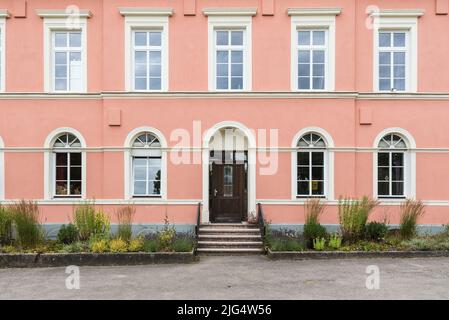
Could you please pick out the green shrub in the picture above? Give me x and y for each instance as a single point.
(118, 245)
(90, 223)
(136, 245)
(26, 218)
(152, 245)
(335, 241)
(99, 245)
(75, 247)
(6, 221)
(183, 245)
(8, 249)
(286, 245)
(411, 210)
(353, 215)
(319, 244)
(313, 231)
(376, 231)
(68, 234)
(125, 216)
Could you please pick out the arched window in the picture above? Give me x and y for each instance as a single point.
(311, 165)
(391, 166)
(146, 166)
(67, 166)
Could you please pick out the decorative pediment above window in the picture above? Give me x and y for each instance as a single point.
(50, 13)
(149, 12)
(209, 12)
(314, 11)
(397, 13)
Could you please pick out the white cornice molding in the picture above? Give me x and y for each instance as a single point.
(149, 12)
(229, 11)
(314, 11)
(397, 13)
(4, 14)
(50, 13)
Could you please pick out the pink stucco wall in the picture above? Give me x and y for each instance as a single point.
(26, 121)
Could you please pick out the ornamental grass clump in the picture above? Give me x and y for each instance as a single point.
(313, 209)
(26, 217)
(6, 221)
(90, 223)
(411, 211)
(125, 217)
(353, 216)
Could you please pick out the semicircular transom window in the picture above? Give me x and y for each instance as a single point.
(147, 166)
(311, 166)
(68, 164)
(391, 166)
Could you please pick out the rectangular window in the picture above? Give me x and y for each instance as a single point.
(312, 59)
(229, 51)
(67, 61)
(392, 60)
(147, 176)
(228, 184)
(68, 175)
(147, 60)
(390, 174)
(310, 172)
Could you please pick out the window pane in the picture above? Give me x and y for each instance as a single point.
(222, 83)
(154, 162)
(236, 83)
(318, 56)
(384, 72)
(75, 188)
(303, 158)
(397, 174)
(154, 173)
(140, 84)
(304, 56)
(384, 84)
(385, 58)
(61, 188)
(237, 70)
(61, 72)
(155, 70)
(237, 56)
(318, 38)
(318, 70)
(61, 159)
(399, 84)
(304, 70)
(140, 57)
(155, 57)
(318, 173)
(61, 58)
(61, 84)
(397, 188)
(75, 56)
(384, 39)
(75, 173)
(75, 159)
(222, 38)
(399, 58)
(140, 70)
(399, 72)
(222, 70)
(303, 173)
(155, 39)
(155, 83)
(237, 38)
(317, 158)
(383, 159)
(154, 187)
(317, 188)
(61, 173)
(398, 159)
(75, 39)
(303, 83)
(60, 39)
(222, 57)
(399, 40)
(140, 187)
(140, 173)
(383, 174)
(303, 38)
(140, 39)
(303, 188)
(382, 189)
(318, 83)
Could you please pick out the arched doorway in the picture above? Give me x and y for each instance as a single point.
(229, 174)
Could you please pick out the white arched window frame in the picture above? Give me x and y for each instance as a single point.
(2, 171)
(146, 151)
(323, 144)
(70, 142)
(394, 159)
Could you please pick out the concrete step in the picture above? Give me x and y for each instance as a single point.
(230, 244)
(230, 225)
(212, 230)
(230, 251)
(229, 237)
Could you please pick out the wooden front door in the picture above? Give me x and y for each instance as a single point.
(227, 193)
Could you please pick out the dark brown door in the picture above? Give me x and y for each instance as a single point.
(227, 193)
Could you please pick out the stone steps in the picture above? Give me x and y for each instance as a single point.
(229, 238)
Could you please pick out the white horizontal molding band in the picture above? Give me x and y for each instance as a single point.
(220, 95)
(397, 13)
(313, 11)
(4, 13)
(208, 12)
(50, 13)
(149, 12)
(108, 202)
(382, 202)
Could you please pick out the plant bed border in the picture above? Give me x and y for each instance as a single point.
(308, 255)
(46, 260)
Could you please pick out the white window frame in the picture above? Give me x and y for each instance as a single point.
(3, 16)
(328, 163)
(128, 163)
(146, 20)
(397, 21)
(224, 22)
(50, 165)
(51, 25)
(409, 164)
(311, 19)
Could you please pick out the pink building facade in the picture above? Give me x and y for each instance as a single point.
(168, 104)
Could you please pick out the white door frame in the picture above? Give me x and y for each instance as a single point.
(251, 167)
